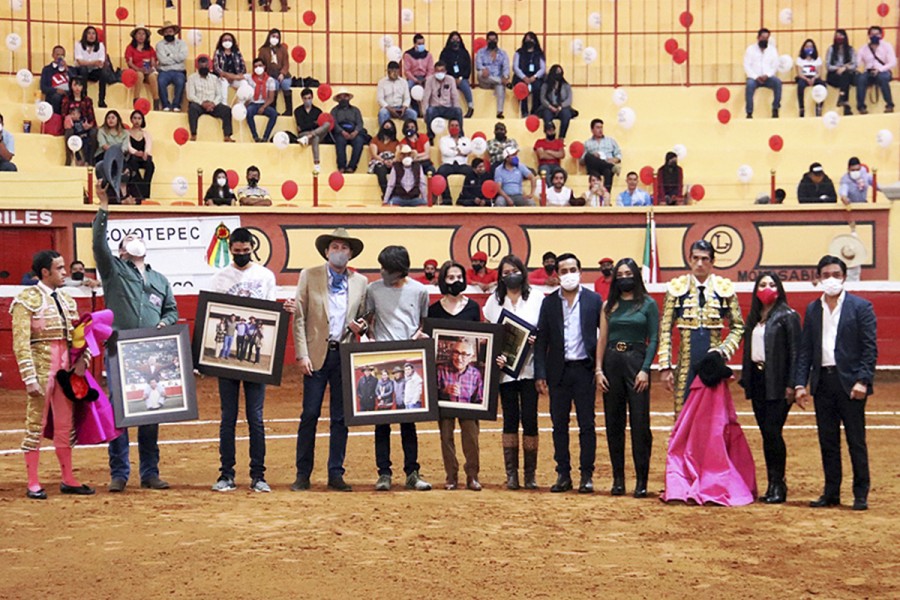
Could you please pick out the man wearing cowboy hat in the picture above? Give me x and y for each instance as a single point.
(348, 129)
(171, 54)
(331, 301)
(407, 184)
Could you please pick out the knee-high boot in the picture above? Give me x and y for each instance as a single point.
(511, 459)
(288, 103)
(530, 445)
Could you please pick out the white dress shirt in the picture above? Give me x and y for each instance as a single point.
(830, 322)
(758, 344)
(759, 62)
(575, 349)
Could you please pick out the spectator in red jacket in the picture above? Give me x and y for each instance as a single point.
(429, 273)
(602, 283)
(547, 275)
(479, 274)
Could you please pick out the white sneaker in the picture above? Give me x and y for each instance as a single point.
(304, 140)
(414, 482)
(167, 109)
(260, 485)
(176, 109)
(224, 484)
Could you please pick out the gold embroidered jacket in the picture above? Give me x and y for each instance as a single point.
(35, 323)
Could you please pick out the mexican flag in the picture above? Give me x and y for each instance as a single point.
(650, 265)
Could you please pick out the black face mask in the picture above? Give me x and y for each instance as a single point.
(204, 71)
(79, 276)
(551, 136)
(252, 181)
(454, 45)
(550, 268)
(477, 266)
(763, 44)
(626, 284)
(514, 281)
(429, 276)
(456, 288)
(501, 136)
(529, 45)
(492, 45)
(169, 38)
(241, 260)
(606, 272)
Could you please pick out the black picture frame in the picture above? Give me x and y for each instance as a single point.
(265, 365)
(151, 376)
(485, 340)
(369, 404)
(515, 346)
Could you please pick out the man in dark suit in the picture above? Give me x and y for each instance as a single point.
(564, 360)
(837, 358)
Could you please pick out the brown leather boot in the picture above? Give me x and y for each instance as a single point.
(530, 445)
(511, 459)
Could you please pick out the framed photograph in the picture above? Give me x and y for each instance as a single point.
(389, 382)
(468, 377)
(515, 345)
(240, 338)
(151, 376)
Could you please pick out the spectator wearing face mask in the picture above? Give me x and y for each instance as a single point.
(549, 151)
(309, 132)
(219, 192)
(459, 67)
(878, 59)
(556, 100)
(497, 147)
(228, 64)
(252, 194)
(407, 184)
(530, 67)
(854, 185)
(55, 79)
(761, 66)
(275, 58)
(418, 65)
(383, 150)
(816, 186)
(602, 283)
(510, 177)
(429, 273)
(205, 98)
(441, 98)
(670, 181)
(262, 100)
(471, 193)
(840, 61)
(78, 278)
(546, 275)
(492, 66)
(420, 143)
(171, 54)
(393, 96)
(480, 274)
(455, 149)
(348, 131)
(809, 73)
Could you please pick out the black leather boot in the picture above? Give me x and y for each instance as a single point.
(288, 104)
(779, 493)
(511, 459)
(530, 445)
(618, 486)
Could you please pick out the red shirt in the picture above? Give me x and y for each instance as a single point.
(419, 146)
(540, 277)
(601, 286)
(423, 280)
(546, 144)
(486, 276)
(138, 57)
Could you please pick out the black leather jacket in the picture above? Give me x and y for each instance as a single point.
(782, 341)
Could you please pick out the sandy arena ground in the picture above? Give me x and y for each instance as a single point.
(189, 542)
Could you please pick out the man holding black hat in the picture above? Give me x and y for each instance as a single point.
(816, 186)
(331, 301)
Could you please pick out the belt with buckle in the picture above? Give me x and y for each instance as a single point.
(760, 366)
(626, 346)
(332, 345)
(830, 370)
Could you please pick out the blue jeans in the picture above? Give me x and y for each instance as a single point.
(340, 146)
(463, 86)
(252, 110)
(384, 115)
(6, 165)
(773, 83)
(119, 463)
(882, 80)
(410, 442)
(313, 395)
(564, 115)
(255, 396)
(226, 346)
(167, 78)
(447, 112)
(396, 201)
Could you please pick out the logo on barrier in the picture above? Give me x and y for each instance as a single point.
(261, 246)
(492, 241)
(728, 244)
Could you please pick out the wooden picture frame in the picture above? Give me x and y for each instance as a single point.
(515, 346)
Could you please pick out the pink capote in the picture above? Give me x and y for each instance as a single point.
(709, 459)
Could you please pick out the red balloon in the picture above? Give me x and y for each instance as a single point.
(724, 116)
(679, 56)
(324, 92)
(101, 35)
(489, 188)
(181, 136)
(671, 45)
(298, 54)
(532, 123)
(233, 179)
(309, 17)
(129, 78)
(479, 134)
(686, 19)
(121, 13)
(438, 184)
(722, 94)
(143, 105)
(647, 175)
(697, 192)
(478, 44)
(289, 189)
(504, 22)
(336, 180)
(883, 9)
(776, 143)
(325, 118)
(576, 149)
(521, 90)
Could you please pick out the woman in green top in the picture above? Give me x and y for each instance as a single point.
(111, 133)
(629, 327)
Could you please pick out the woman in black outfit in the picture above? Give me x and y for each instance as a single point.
(219, 193)
(140, 155)
(771, 341)
(530, 67)
(459, 65)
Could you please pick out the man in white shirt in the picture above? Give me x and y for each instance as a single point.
(455, 149)
(393, 96)
(761, 66)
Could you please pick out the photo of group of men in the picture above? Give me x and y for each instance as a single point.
(390, 385)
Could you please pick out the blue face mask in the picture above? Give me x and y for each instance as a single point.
(420, 47)
(807, 52)
(514, 161)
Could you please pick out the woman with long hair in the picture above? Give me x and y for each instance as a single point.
(771, 343)
(840, 61)
(629, 334)
(219, 192)
(228, 64)
(556, 99)
(809, 73)
(90, 60)
(141, 58)
(111, 133)
(670, 181)
(529, 67)
(77, 110)
(459, 66)
(383, 150)
(140, 154)
(277, 62)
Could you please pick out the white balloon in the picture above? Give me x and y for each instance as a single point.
(394, 53)
(479, 146)
(16, 4)
(195, 38)
(74, 143)
(407, 15)
(620, 96)
(884, 138)
(577, 46)
(24, 78)
(216, 13)
(281, 140)
(13, 42)
(595, 20)
(439, 125)
(786, 16)
(785, 62)
(626, 117)
(680, 151)
(180, 184)
(44, 111)
(244, 91)
(464, 145)
(745, 173)
(589, 55)
(819, 93)
(831, 119)
(417, 92)
(386, 42)
(238, 112)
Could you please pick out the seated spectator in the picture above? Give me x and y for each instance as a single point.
(780, 195)
(90, 62)
(228, 64)
(141, 58)
(459, 66)
(549, 151)
(111, 133)
(418, 64)
(877, 59)
(252, 194)
(509, 177)
(546, 275)
(205, 97)
(670, 181)
(407, 183)
(497, 147)
(348, 130)
(492, 67)
(140, 154)
(809, 73)
(309, 132)
(471, 193)
(556, 100)
(761, 67)
(383, 150)
(393, 96)
(30, 278)
(128, 193)
(816, 186)
(7, 149)
(429, 273)
(455, 149)
(557, 193)
(78, 277)
(854, 185)
(632, 195)
(55, 79)
(840, 60)
(420, 143)
(479, 274)
(529, 67)
(277, 60)
(78, 119)
(441, 98)
(219, 192)
(262, 100)
(602, 155)
(171, 54)
(596, 195)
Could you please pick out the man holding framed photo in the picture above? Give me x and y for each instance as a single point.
(139, 297)
(331, 302)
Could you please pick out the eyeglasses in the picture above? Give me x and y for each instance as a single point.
(463, 354)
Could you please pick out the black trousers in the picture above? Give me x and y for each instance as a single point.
(576, 385)
(601, 168)
(221, 112)
(833, 407)
(771, 414)
(409, 441)
(446, 170)
(842, 82)
(519, 400)
(620, 369)
(142, 182)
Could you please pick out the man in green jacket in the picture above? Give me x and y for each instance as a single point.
(139, 298)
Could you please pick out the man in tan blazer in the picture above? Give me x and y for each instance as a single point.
(331, 301)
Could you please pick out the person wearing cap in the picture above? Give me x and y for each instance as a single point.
(331, 301)
(549, 151)
(348, 130)
(546, 275)
(480, 274)
(816, 186)
(632, 195)
(262, 100)
(399, 379)
(602, 155)
(509, 178)
(205, 97)
(393, 97)
(854, 184)
(141, 58)
(602, 283)
(455, 149)
(429, 272)
(407, 184)
(171, 54)
(441, 98)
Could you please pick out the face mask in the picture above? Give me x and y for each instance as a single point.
(551, 136)
(440, 75)
(807, 52)
(500, 135)
(420, 47)
(767, 296)
(606, 272)
(570, 281)
(338, 260)
(307, 104)
(61, 67)
(429, 276)
(456, 288)
(854, 175)
(259, 70)
(252, 181)
(514, 161)
(550, 268)
(169, 38)
(514, 281)
(344, 103)
(477, 266)
(492, 45)
(832, 286)
(455, 45)
(410, 133)
(389, 279)
(241, 260)
(626, 284)
(78, 276)
(221, 181)
(407, 161)
(529, 44)
(273, 41)
(136, 248)
(227, 44)
(763, 44)
(874, 39)
(454, 131)
(204, 71)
